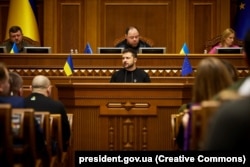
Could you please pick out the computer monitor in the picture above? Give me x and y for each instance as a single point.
(40, 49)
(229, 50)
(109, 50)
(152, 50)
(3, 49)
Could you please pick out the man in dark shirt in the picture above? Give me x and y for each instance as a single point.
(130, 73)
(16, 36)
(39, 100)
(132, 40)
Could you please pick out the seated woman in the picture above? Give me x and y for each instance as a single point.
(211, 78)
(227, 40)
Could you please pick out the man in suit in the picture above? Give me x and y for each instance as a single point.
(132, 39)
(40, 100)
(15, 36)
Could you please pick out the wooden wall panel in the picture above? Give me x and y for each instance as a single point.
(69, 28)
(152, 19)
(72, 23)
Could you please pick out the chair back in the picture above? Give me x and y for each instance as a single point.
(28, 40)
(142, 38)
(6, 151)
(201, 116)
(23, 124)
(209, 44)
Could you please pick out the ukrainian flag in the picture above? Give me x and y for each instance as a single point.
(184, 49)
(14, 48)
(21, 14)
(69, 67)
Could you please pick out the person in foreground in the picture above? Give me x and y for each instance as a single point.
(13, 83)
(130, 73)
(132, 39)
(212, 77)
(230, 126)
(40, 100)
(15, 36)
(227, 40)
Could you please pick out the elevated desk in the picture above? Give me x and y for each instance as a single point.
(114, 116)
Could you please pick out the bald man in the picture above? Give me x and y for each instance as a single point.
(40, 100)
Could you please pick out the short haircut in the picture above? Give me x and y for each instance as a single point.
(16, 82)
(3, 75)
(130, 50)
(14, 29)
(129, 28)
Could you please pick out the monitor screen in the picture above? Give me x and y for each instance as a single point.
(3, 49)
(229, 50)
(109, 50)
(153, 50)
(37, 49)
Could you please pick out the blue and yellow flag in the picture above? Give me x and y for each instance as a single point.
(21, 13)
(242, 22)
(69, 67)
(184, 49)
(14, 48)
(88, 49)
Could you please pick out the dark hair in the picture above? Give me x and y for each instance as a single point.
(134, 53)
(246, 46)
(3, 74)
(16, 82)
(129, 28)
(14, 29)
(231, 68)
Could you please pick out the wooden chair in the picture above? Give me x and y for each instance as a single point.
(176, 121)
(209, 44)
(201, 116)
(43, 118)
(6, 150)
(28, 40)
(56, 133)
(142, 38)
(23, 126)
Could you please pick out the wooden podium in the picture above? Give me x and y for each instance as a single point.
(122, 116)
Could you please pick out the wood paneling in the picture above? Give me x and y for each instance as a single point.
(129, 131)
(152, 19)
(67, 24)
(69, 28)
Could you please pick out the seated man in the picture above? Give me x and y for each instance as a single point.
(39, 100)
(130, 73)
(132, 39)
(16, 101)
(15, 35)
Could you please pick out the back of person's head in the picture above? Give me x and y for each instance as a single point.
(246, 46)
(226, 33)
(130, 50)
(16, 84)
(41, 84)
(212, 76)
(14, 29)
(4, 80)
(231, 68)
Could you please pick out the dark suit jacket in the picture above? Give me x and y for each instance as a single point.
(125, 45)
(42, 103)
